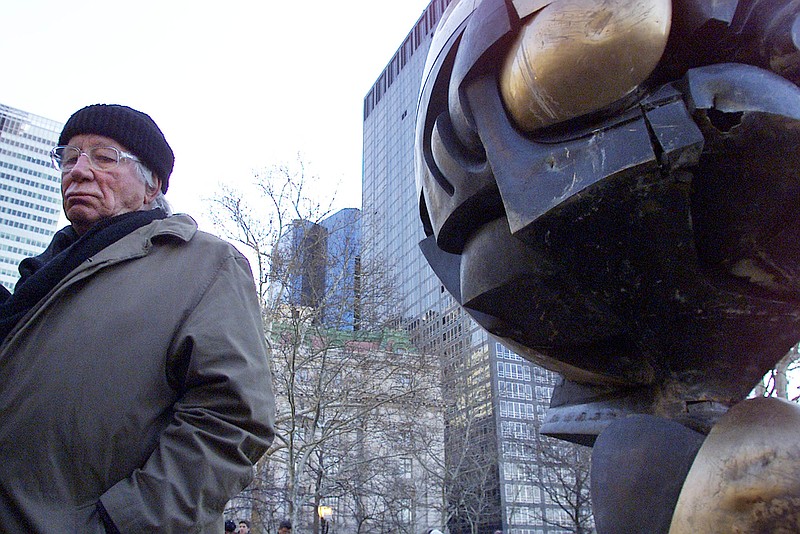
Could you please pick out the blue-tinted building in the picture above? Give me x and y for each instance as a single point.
(343, 268)
(317, 266)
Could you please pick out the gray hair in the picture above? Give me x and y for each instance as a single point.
(149, 181)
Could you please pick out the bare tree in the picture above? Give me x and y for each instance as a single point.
(784, 380)
(468, 476)
(335, 359)
(472, 486)
(563, 477)
(383, 481)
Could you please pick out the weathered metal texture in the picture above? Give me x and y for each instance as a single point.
(638, 469)
(646, 248)
(746, 476)
(616, 44)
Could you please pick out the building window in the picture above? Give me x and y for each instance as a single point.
(404, 515)
(406, 468)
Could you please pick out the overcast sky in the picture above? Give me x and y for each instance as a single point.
(235, 85)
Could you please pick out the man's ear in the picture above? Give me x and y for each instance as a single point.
(151, 192)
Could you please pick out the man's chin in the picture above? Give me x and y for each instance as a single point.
(82, 218)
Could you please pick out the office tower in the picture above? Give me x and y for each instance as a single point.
(317, 265)
(299, 264)
(30, 188)
(496, 399)
(343, 272)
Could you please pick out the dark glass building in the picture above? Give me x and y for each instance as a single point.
(494, 399)
(316, 266)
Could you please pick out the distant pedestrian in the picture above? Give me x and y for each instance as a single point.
(244, 527)
(285, 527)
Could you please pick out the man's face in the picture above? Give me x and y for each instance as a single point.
(90, 195)
(244, 529)
(284, 530)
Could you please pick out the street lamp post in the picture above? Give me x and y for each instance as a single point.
(325, 514)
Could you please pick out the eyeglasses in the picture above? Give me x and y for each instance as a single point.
(101, 158)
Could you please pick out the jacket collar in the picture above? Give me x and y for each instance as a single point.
(136, 244)
(180, 226)
(139, 242)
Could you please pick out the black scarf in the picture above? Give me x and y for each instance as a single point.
(40, 274)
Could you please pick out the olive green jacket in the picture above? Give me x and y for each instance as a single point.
(140, 381)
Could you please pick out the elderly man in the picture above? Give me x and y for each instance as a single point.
(135, 390)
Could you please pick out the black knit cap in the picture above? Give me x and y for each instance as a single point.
(133, 129)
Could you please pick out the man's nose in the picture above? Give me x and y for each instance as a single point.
(82, 168)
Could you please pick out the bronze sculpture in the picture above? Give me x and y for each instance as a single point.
(609, 188)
